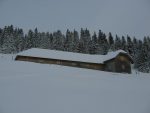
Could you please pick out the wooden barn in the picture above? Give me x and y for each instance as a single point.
(118, 61)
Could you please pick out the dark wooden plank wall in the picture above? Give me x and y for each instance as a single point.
(95, 66)
(120, 64)
(123, 64)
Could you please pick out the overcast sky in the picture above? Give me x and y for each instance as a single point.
(117, 16)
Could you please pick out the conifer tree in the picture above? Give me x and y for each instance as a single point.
(75, 40)
(58, 42)
(124, 44)
(129, 45)
(50, 40)
(68, 44)
(1, 39)
(18, 37)
(93, 45)
(103, 43)
(111, 42)
(29, 41)
(85, 38)
(118, 44)
(36, 38)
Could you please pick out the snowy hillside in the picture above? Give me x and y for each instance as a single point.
(41, 88)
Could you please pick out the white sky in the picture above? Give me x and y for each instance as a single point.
(117, 16)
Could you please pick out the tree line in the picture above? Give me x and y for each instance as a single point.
(14, 40)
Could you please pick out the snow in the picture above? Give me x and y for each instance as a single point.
(54, 54)
(27, 87)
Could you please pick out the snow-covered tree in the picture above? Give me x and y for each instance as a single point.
(18, 37)
(85, 38)
(9, 44)
(142, 62)
(58, 40)
(111, 42)
(103, 45)
(68, 44)
(124, 44)
(118, 43)
(29, 40)
(75, 40)
(129, 45)
(93, 45)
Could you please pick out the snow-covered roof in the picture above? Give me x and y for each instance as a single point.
(55, 54)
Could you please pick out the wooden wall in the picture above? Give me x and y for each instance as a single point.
(110, 66)
(119, 64)
(123, 64)
(95, 66)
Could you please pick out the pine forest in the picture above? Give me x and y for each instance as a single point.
(14, 40)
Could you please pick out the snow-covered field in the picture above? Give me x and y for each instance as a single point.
(41, 88)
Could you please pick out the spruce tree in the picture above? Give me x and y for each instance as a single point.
(103, 43)
(118, 44)
(75, 40)
(1, 39)
(111, 42)
(124, 44)
(93, 45)
(58, 40)
(85, 38)
(129, 45)
(68, 44)
(36, 38)
(18, 37)
(30, 41)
